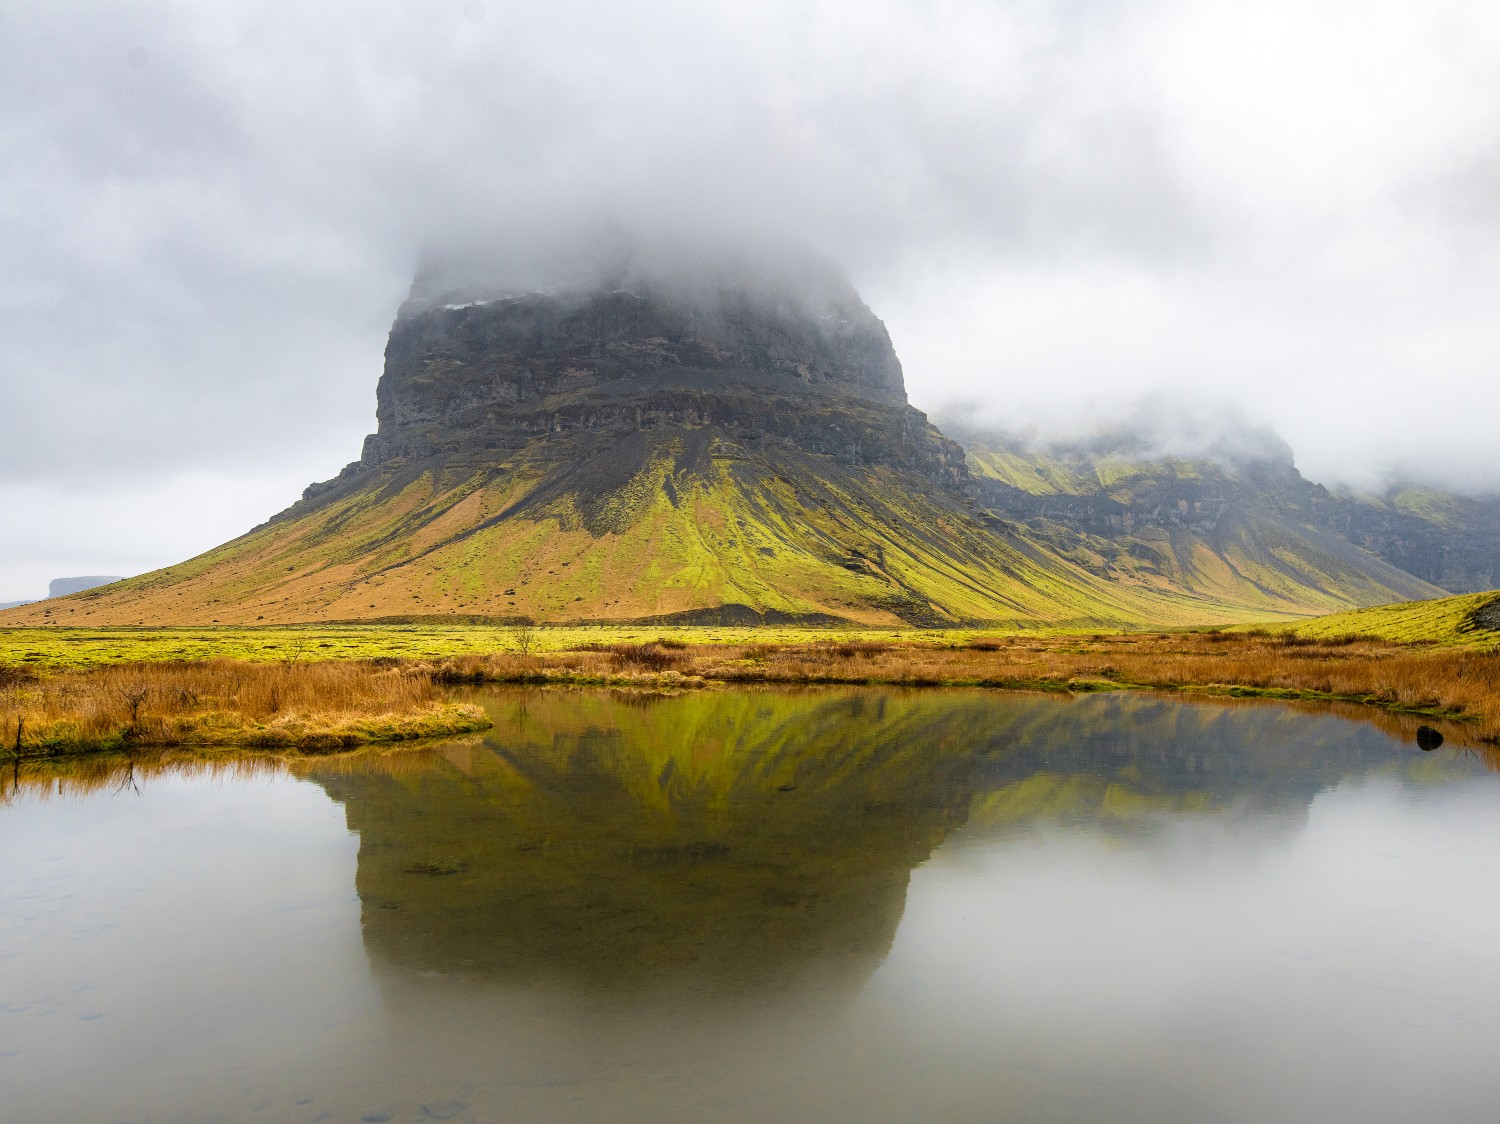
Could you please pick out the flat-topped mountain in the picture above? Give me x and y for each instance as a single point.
(732, 444)
(481, 379)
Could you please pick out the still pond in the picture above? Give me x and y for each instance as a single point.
(822, 905)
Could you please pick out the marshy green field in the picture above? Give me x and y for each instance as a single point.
(101, 647)
(1470, 620)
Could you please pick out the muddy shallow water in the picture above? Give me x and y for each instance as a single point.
(823, 905)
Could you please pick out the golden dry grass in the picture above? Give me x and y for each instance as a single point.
(222, 703)
(344, 703)
(1456, 684)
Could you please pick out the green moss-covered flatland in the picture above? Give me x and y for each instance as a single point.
(84, 647)
(69, 690)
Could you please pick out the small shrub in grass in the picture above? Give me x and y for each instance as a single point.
(12, 675)
(850, 649)
(454, 673)
(1292, 640)
(645, 657)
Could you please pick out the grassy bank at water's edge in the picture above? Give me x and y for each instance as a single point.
(1457, 685)
(340, 701)
(221, 703)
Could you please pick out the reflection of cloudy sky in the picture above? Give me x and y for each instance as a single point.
(1189, 965)
(209, 213)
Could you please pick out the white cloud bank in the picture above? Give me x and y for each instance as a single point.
(209, 212)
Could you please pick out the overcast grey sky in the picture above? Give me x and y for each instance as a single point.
(209, 213)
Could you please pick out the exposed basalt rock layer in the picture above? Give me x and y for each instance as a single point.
(1133, 511)
(478, 382)
(1486, 618)
(1451, 541)
(497, 373)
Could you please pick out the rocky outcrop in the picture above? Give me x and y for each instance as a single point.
(1451, 541)
(61, 587)
(1448, 541)
(481, 380)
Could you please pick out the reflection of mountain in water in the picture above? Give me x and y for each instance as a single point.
(730, 841)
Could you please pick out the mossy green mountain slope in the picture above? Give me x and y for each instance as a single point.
(731, 453)
(697, 526)
(1470, 620)
(702, 528)
(1254, 534)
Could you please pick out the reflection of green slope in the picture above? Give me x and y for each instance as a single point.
(741, 839)
(733, 839)
(1121, 762)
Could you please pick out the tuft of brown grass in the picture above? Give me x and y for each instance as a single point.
(225, 702)
(654, 656)
(852, 649)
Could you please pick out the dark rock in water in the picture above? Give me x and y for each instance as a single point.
(1428, 739)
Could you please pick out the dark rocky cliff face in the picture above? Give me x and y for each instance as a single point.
(480, 380)
(1202, 500)
(1451, 541)
(1454, 543)
(1456, 549)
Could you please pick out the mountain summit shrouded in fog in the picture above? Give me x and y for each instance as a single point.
(623, 446)
(1291, 206)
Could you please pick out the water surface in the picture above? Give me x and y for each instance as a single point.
(819, 905)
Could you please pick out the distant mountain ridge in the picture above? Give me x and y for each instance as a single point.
(61, 587)
(1450, 540)
(1118, 512)
(736, 450)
